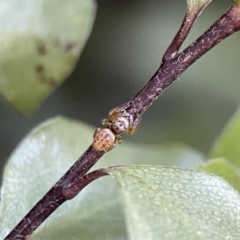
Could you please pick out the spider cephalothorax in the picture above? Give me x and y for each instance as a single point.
(119, 121)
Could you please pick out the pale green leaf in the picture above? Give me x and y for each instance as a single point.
(39, 45)
(197, 5)
(228, 144)
(237, 2)
(47, 153)
(224, 169)
(171, 203)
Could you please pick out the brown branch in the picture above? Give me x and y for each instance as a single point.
(75, 179)
(55, 196)
(173, 68)
(73, 189)
(187, 24)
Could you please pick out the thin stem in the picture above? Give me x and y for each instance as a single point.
(55, 196)
(72, 190)
(187, 24)
(173, 68)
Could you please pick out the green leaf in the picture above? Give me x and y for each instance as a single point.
(197, 5)
(228, 144)
(46, 154)
(237, 2)
(224, 169)
(39, 45)
(171, 203)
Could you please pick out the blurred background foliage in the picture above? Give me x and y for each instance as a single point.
(125, 48)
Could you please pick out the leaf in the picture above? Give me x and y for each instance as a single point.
(237, 2)
(39, 45)
(171, 203)
(224, 169)
(46, 154)
(228, 144)
(197, 5)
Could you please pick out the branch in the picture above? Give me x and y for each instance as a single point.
(193, 12)
(173, 68)
(73, 189)
(125, 119)
(56, 196)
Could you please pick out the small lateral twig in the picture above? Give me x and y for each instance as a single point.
(55, 196)
(188, 21)
(126, 118)
(81, 182)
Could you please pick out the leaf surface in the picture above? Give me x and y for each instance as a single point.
(171, 203)
(39, 46)
(47, 153)
(197, 5)
(224, 169)
(228, 144)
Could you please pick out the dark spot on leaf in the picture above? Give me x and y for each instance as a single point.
(69, 47)
(39, 69)
(41, 49)
(52, 83)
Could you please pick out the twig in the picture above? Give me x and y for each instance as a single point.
(72, 190)
(55, 196)
(188, 21)
(172, 69)
(125, 119)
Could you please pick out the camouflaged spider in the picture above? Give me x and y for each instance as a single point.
(119, 121)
